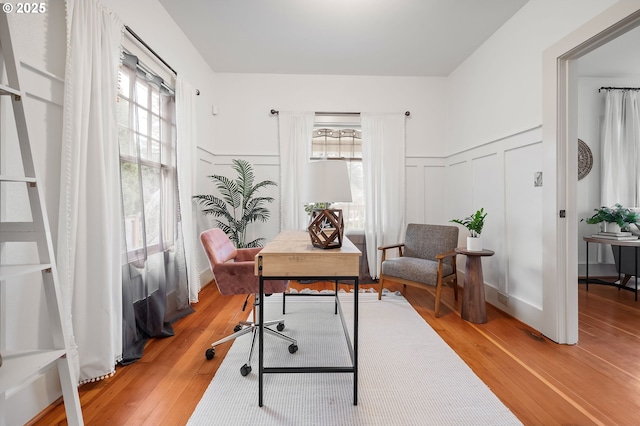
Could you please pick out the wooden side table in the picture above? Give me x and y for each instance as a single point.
(474, 306)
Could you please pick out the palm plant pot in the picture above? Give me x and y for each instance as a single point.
(474, 244)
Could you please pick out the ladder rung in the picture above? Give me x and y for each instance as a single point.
(23, 365)
(4, 178)
(19, 236)
(6, 90)
(17, 227)
(8, 271)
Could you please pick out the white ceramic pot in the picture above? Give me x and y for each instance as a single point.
(474, 244)
(611, 227)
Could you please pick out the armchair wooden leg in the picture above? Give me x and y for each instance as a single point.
(380, 288)
(454, 283)
(438, 292)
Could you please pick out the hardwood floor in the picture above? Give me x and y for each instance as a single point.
(596, 381)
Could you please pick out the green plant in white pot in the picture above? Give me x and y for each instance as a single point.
(474, 224)
(621, 217)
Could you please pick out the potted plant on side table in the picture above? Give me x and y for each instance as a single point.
(614, 219)
(474, 224)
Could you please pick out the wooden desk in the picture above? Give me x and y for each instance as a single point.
(474, 306)
(619, 244)
(292, 256)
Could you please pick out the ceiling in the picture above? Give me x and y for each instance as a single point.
(339, 37)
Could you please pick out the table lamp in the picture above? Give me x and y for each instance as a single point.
(327, 181)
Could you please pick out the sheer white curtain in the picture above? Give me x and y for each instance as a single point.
(187, 141)
(620, 172)
(295, 133)
(90, 204)
(383, 162)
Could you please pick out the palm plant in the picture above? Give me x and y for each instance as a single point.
(238, 205)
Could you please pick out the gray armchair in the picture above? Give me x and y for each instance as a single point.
(427, 258)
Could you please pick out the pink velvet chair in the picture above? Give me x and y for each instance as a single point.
(233, 272)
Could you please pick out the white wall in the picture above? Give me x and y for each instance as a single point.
(244, 125)
(499, 177)
(497, 91)
(496, 95)
(40, 45)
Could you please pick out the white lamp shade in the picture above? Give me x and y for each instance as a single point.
(326, 181)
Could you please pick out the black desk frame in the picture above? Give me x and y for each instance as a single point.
(603, 282)
(353, 349)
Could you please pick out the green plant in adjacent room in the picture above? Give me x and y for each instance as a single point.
(238, 204)
(622, 216)
(473, 223)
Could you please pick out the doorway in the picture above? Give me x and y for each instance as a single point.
(560, 218)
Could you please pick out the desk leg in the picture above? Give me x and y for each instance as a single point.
(620, 267)
(260, 341)
(586, 275)
(355, 341)
(284, 301)
(474, 307)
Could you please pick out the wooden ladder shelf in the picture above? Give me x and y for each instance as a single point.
(23, 366)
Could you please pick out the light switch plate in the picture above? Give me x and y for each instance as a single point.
(537, 179)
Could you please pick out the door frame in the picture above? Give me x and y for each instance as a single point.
(560, 141)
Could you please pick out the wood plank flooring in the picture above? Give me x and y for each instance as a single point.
(596, 381)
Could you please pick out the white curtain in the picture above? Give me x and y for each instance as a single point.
(295, 133)
(620, 177)
(90, 204)
(187, 141)
(383, 162)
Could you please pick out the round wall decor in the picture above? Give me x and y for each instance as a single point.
(585, 159)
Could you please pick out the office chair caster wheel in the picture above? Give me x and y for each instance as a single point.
(237, 328)
(245, 369)
(210, 353)
(293, 348)
(280, 326)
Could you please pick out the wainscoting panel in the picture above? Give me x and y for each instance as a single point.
(487, 186)
(524, 222)
(499, 176)
(426, 187)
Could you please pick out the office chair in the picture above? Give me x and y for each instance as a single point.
(427, 258)
(233, 272)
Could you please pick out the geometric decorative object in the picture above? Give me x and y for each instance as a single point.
(326, 228)
(585, 159)
(327, 181)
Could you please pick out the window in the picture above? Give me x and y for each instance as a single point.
(146, 134)
(341, 137)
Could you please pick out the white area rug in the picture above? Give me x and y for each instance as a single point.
(407, 374)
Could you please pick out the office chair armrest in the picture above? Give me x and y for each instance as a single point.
(247, 254)
(233, 271)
